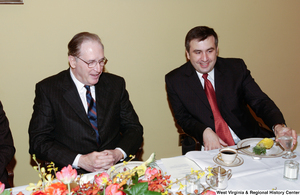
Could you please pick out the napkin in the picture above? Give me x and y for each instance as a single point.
(179, 167)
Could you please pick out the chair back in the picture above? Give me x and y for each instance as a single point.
(10, 171)
(188, 143)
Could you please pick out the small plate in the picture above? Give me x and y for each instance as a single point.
(121, 167)
(275, 151)
(237, 162)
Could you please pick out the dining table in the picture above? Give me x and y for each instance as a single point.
(252, 174)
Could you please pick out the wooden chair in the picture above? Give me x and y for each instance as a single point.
(139, 153)
(188, 143)
(10, 171)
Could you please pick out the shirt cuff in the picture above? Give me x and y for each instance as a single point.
(75, 162)
(124, 154)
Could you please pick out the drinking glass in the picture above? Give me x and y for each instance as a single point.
(193, 185)
(286, 142)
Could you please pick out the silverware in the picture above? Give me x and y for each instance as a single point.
(243, 147)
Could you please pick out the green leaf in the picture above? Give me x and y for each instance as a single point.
(5, 192)
(152, 193)
(135, 178)
(258, 150)
(140, 189)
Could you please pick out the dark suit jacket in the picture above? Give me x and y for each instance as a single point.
(59, 128)
(7, 149)
(235, 89)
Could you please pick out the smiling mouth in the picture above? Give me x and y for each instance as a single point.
(95, 75)
(204, 65)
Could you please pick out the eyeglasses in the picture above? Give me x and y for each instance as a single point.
(93, 63)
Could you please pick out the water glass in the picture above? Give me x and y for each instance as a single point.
(287, 142)
(193, 185)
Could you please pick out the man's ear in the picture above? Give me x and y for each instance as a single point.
(72, 61)
(187, 54)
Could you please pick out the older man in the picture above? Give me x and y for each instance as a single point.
(83, 116)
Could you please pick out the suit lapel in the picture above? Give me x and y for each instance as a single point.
(219, 82)
(195, 84)
(102, 96)
(72, 97)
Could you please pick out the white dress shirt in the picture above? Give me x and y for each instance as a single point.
(82, 93)
(211, 78)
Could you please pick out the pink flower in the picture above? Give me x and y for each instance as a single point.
(102, 179)
(2, 187)
(208, 192)
(113, 189)
(67, 174)
(38, 193)
(57, 188)
(150, 172)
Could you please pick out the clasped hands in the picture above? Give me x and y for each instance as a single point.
(212, 141)
(99, 161)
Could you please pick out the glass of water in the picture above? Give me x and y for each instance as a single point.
(286, 142)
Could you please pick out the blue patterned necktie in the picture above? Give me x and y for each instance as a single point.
(92, 112)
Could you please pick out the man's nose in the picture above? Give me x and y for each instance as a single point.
(98, 67)
(204, 56)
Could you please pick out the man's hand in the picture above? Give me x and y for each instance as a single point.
(281, 130)
(117, 154)
(99, 161)
(211, 140)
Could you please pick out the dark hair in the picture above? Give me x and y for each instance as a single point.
(75, 43)
(200, 33)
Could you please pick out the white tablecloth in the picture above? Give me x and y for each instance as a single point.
(263, 174)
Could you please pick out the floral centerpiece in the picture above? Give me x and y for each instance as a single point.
(145, 179)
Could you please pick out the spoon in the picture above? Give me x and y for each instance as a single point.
(243, 147)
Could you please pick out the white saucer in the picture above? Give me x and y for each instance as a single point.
(237, 162)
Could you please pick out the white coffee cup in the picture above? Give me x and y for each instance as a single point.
(227, 155)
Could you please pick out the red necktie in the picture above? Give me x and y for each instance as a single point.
(221, 126)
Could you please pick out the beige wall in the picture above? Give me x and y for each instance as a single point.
(144, 40)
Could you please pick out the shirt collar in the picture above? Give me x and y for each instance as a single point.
(211, 75)
(78, 84)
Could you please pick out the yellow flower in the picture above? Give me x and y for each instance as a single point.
(192, 170)
(209, 175)
(113, 168)
(32, 186)
(200, 175)
(181, 186)
(165, 193)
